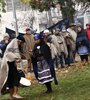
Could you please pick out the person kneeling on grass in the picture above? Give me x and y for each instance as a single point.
(41, 53)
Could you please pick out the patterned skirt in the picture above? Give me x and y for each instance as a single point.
(83, 50)
(44, 74)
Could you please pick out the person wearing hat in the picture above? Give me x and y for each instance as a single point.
(69, 43)
(4, 43)
(46, 34)
(42, 54)
(28, 47)
(54, 41)
(73, 34)
(63, 53)
(8, 71)
(71, 30)
(54, 52)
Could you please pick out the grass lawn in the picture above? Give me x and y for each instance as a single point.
(75, 85)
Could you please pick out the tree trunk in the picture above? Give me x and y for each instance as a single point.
(49, 18)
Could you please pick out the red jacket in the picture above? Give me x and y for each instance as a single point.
(88, 33)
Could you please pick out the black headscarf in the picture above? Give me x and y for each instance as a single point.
(20, 37)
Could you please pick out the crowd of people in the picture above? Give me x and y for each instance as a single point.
(44, 52)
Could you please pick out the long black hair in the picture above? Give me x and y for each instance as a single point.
(82, 32)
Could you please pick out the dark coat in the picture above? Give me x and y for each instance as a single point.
(37, 53)
(3, 46)
(82, 39)
(41, 57)
(43, 51)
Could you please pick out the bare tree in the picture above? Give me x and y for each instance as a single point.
(24, 20)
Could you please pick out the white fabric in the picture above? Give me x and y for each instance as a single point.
(45, 77)
(46, 81)
(25, 81)
(44, 71)
(46, 31)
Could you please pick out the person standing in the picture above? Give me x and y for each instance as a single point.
(54, 41)
(54, 52)
(88, 30)
(73, 34)
(4, 43)
(82, 44)
(69, 42)
(28, 47)
(8, 71)
(42, 54)
(88, 34)
(62, 48)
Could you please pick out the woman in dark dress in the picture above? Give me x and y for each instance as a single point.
(41, 54)
(82, 44)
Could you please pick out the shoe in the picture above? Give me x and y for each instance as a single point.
(69, 65)
(62, 67)
(17, 96)
(48, 91)
(56, 82)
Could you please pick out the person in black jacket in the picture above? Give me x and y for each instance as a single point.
(42, 62)
(82, 44)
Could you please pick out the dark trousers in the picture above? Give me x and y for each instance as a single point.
(62, 60)
(13, 75)
(70, 57)
(55, 61)
(35, 69)
(84, 57)
(48, 85)
(50, 63)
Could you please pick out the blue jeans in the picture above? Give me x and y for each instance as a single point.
(62, 60)
(55, 61)
(70, 57)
